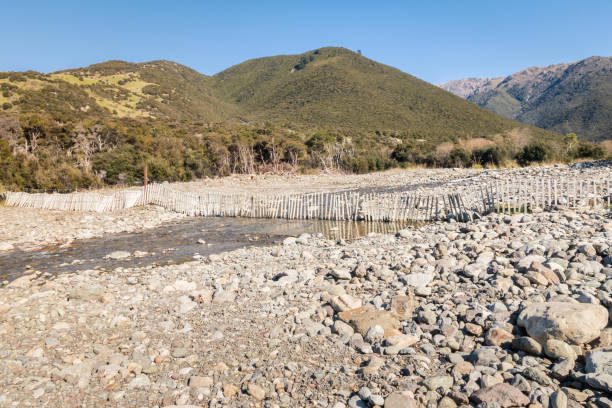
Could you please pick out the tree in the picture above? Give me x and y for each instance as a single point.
(33, 130)
(10, 130)
(570, 141)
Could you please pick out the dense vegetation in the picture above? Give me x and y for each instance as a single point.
(335, 87)
(325, 109)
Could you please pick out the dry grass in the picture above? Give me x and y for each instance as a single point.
(607, 146)
(130, 82)
(475, 143)
(134, 84)
(514, 139)
(444, 149)
(123, 110)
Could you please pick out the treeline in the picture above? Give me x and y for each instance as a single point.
(39, 153)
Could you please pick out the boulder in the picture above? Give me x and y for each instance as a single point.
(573, 323)
(505, 395)
(441, 381)
(418, 280)
(118, 255)
(557, 349)
(401, 341)
(400, 400)
(403, 306)
(528, 345)
(498, 337)
(363, 318)
(344, 302)
(599, 369)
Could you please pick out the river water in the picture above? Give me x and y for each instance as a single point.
(178, 242)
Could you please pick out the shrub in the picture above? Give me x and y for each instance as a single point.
(320, 140)
(489, 156)
(458, 157)
(409, 152)
(532, 153)
(587, 150)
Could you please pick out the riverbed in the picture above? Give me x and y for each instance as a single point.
(176, 242)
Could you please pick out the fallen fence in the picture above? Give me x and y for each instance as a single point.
(507, 196)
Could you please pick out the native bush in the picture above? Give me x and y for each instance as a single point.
(586, 150)
(489, 156)
(533, 153)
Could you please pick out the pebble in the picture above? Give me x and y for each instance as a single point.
(372, 322)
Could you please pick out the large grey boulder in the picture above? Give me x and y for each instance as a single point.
(599, 369)
(573, 323)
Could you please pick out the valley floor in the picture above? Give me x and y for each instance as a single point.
(507, 311)
(28, 229)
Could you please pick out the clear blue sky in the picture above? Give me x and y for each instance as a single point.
(433, 40)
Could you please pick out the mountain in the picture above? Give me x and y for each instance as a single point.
(329, 108)
(335, 87)
(565, 98)
(325, 88)
(467, 87)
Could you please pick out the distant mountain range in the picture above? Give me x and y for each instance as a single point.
(564, 98)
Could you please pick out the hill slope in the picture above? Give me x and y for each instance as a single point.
(326, 88)
(564, 98)
(335, 87)
(115, 89)
(329, 108)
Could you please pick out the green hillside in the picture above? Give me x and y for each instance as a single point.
(115, 89)
(325, 109)
(335, 87)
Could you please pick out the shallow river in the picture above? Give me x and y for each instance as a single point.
(177, 242)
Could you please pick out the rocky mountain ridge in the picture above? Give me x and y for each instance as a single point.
(569, 97)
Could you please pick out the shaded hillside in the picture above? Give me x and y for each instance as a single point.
(564, 98)
(335, 87)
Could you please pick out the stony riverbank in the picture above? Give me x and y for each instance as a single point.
(414, 179)
(505, 311)
(28, 229)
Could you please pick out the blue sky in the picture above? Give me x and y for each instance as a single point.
(433, 40)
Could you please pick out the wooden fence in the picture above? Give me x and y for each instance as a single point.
(528, 194)
(340, 206)
(507, 196)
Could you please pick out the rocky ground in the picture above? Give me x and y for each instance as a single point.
(411, 179)
(29, 229)
(505, 311)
